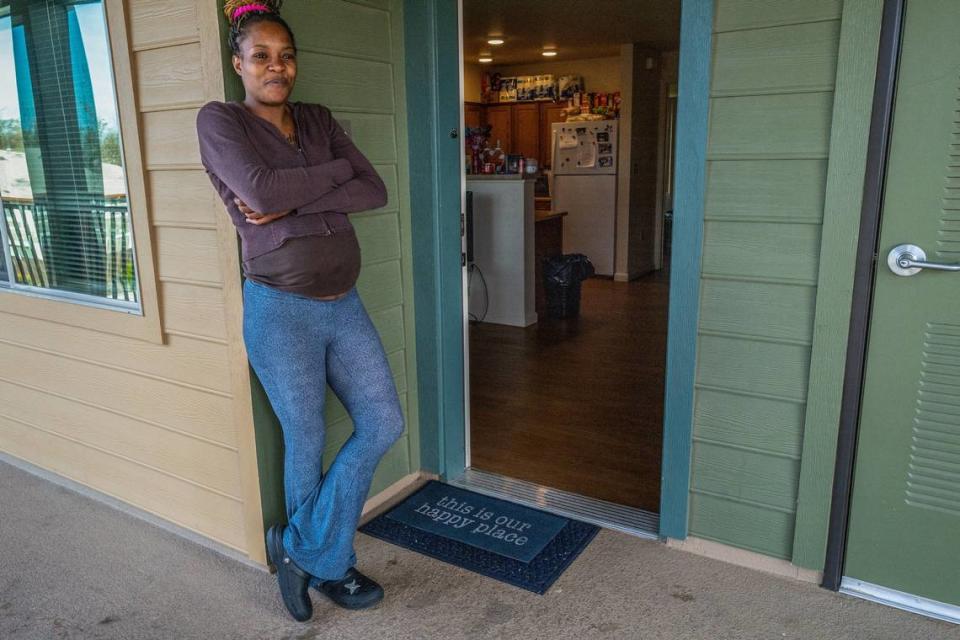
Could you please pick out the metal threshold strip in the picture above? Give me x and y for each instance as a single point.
(900, 600)
(605, 514)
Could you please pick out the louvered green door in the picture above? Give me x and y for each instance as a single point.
(905, 521)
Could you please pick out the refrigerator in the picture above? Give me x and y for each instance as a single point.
(584, 168)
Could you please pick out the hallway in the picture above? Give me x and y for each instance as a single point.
(577, 404)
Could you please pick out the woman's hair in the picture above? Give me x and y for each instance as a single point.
(243, 13)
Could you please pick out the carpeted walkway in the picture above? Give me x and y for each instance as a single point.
(71, 567)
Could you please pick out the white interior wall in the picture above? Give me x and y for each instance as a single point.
(620, 263)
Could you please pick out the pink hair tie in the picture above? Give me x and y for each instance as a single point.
(249, 7)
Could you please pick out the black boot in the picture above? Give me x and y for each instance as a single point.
(293, 580)
(353, 591)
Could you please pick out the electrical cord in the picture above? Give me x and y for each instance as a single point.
(486, 296)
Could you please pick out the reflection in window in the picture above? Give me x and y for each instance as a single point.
(62, 183)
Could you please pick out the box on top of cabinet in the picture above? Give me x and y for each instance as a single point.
(542, 87)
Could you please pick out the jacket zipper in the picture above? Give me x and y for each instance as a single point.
(296, 125)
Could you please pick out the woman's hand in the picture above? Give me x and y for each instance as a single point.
(255, 217)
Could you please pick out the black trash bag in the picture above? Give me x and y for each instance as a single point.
(562, 276)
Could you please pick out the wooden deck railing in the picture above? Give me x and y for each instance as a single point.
(29, 239)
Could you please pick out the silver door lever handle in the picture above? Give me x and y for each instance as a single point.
(909, 259)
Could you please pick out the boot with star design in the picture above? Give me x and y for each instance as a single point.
(353, 591)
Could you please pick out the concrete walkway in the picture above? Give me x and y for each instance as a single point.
(72, 567)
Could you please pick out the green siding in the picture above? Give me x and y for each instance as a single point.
(790, 190)
(770, 114)
(724, 417)
(856, 69)
(771, 310)
(754, 14)
(351, 59)
(742, 524)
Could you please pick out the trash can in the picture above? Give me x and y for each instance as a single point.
(562, 276)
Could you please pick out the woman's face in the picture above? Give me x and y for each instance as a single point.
(267, 64)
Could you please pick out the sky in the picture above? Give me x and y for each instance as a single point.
(93, 28)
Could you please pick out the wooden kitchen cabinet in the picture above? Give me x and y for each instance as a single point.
(526, 130)
(500, 119)
(473, 116)
(521, 127)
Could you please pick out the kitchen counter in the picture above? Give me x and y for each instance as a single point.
(503, 250)
(541, 216)
(499, 176)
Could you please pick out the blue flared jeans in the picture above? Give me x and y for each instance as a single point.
(297, 346)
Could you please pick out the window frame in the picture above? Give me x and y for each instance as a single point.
(145, 323)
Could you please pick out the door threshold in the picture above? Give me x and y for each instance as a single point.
(608, 515)
(900, 600)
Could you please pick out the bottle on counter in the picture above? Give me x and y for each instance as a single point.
(496, 158)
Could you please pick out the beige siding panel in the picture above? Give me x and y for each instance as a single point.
(194, 362)
(373, 134)
(347, 27)
(762, 250)
(190, 254)
(771, 126)
(193, 309)
(742, 525)
(183, 197)
(746, 475)
(171, 405)
(198, 461)
(754, 368)
(789, 190)
(153, 23)
(379, 236)
(744, 14)
(763, 424)
(181, 502)
(345, 83)
(169, 76)
(170, 138)
(761, 309)
(151, 424)
(778, 59)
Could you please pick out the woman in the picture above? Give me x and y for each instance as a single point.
(289, 175)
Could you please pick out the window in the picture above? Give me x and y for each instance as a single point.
(66, 228)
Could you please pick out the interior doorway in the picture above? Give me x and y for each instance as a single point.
(562, 402)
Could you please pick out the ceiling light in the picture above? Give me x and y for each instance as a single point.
(495, 41)
(485, 60)
(550, 53)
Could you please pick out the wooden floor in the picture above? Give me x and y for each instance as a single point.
(576, 404)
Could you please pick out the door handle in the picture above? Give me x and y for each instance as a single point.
(909, 259)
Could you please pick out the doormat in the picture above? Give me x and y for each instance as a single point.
(525, 547)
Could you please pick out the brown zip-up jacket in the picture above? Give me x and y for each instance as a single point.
(322, 180)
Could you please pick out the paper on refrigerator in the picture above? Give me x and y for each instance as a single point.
(587, 154)
(567, 140)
